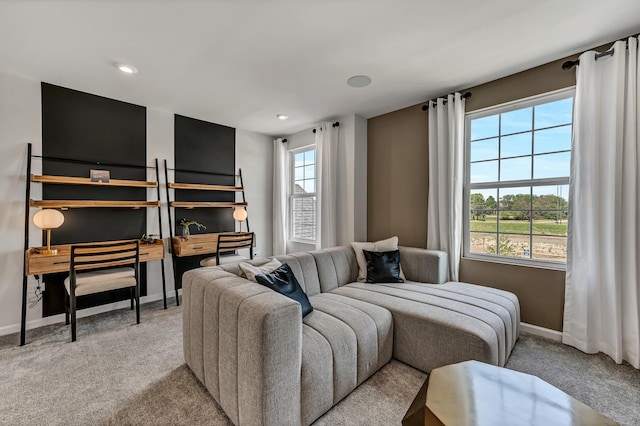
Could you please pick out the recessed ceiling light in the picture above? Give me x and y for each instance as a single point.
(282, 116)
(359, 81)
(127, 69)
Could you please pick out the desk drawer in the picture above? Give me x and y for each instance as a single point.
(187, 248)
(47, 264)
(151, 251)
(41, 264)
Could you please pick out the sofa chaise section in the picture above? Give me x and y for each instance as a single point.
(436, 325)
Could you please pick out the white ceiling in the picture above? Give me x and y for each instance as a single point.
(241, 62)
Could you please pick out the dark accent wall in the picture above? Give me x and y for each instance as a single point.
(398, 152)
(81, 126)
(204, 153)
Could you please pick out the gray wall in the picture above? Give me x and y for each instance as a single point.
(398, 182)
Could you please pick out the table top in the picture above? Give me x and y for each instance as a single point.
(475, 393)
(198, 244)
(65, 249)
(40, 263)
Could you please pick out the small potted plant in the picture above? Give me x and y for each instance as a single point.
(185, 227)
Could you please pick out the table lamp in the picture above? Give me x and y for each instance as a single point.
(47, 220)
(240, 215)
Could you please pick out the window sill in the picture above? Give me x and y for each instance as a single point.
(299, 241)
(538, 264)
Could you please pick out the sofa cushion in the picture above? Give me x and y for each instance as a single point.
(383, 266)
(284, 282)
(436, 325)
(336, 266)
(424, 266)
(344, 341)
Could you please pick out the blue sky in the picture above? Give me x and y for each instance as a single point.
(305, 170)
(538, 146)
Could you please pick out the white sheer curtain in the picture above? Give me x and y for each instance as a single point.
(446, 163)
(326, 185)
(602, 300)
(280, 193)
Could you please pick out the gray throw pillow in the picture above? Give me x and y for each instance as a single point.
(250, 271)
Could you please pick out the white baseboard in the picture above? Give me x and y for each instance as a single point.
(541, 331)
(40, 322)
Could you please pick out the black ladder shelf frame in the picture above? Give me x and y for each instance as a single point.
(171, 224)
(27, 214)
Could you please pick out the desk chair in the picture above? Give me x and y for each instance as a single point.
(109, 267)
(230, 242)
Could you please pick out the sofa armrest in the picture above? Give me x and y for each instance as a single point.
(424, 266)
(269, 360)
(245, 345)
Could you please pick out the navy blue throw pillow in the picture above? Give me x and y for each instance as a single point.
(383, 266)
(284, 282)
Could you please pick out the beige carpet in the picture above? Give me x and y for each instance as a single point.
(118, 373)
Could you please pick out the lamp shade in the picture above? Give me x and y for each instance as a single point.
(240, 215)
(48, 219)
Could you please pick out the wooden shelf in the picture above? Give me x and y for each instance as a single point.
(204, 187)
(57, 204)
(196, 204)
(70, 180)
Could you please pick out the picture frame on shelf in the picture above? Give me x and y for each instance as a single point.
(101, 176)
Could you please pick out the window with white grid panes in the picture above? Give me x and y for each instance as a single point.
(302, 209)
(517, 180)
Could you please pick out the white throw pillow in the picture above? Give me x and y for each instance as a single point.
(390, 244)
(250, 271)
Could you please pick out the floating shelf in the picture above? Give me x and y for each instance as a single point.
(205, 187)
(58, 204)
(70, 180)
(196, 204)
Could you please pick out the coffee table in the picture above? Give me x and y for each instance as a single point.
(479, 394)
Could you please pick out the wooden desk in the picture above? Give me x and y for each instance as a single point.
(199, 244)
(36, 263)
(48, 264)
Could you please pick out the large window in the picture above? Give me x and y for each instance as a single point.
(302, 204)
(517, 180)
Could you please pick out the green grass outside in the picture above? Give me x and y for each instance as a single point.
(547, 227)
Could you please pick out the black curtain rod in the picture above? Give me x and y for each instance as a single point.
(336, 124)
(570, 64)
(467, 95)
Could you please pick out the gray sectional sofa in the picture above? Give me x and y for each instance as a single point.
(266, 366)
